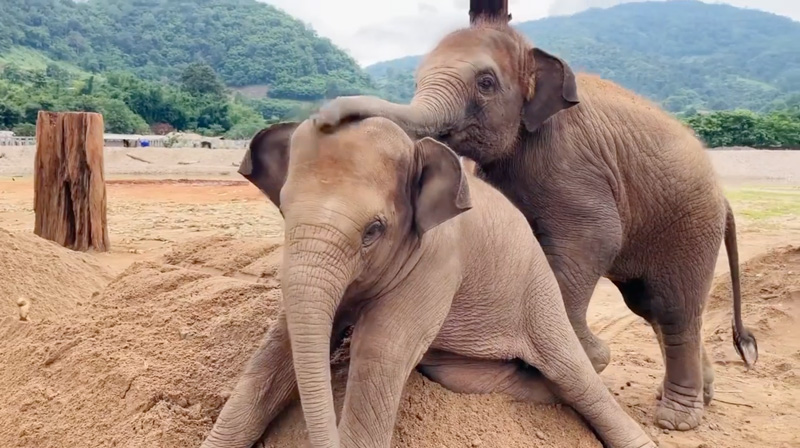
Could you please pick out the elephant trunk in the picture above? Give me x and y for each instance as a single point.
(433, 112)
(316, 276)
(435, 109)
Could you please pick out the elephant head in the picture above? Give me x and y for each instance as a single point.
(475, 91)
(356, 203)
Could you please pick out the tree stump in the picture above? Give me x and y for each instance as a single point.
(69, 185)
(488, 9)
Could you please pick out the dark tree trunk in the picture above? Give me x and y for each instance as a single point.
(488, 9)
(69, 186)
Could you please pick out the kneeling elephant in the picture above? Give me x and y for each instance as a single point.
(432, 267)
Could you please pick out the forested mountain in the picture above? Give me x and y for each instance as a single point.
(151, 65)
(246, 42)
(157, 65)
(686, 54)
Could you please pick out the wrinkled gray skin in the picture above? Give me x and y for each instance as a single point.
(610, 184)
(377, 237)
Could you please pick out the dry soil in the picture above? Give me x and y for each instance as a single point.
(139, 347)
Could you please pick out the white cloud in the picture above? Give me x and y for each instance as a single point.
(377, 30)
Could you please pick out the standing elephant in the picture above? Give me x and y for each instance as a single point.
(377, 238)
(610, 184)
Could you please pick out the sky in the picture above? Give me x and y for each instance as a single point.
(378, 30)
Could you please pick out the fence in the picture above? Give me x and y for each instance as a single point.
(160, 143)
(17, 141)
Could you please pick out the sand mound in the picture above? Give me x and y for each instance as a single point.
(52, 279)
(150, 361)
(247, 258)
(756, 407)
(770, 308)
(145, 364)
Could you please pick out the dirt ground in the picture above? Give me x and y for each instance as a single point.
(141, 345)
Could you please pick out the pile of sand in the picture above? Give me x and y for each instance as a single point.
(770, 307)
(50, 279)
(146, 363)
(151, 360)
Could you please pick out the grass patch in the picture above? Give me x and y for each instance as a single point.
(759, 204)
(28, 59)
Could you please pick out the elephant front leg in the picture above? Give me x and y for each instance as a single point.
(577, 281)
(580, 251)
(264, 390)
(556, 351)
(387, 343)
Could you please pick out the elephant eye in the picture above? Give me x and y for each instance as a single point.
(373, 232)
(486, 83)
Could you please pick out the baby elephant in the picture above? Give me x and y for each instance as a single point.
(377, 238)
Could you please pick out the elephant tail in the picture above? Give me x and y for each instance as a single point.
(743, 339)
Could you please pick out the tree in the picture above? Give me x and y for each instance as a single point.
(120, 119)
(13, 73)
(88, 86)
(200, 79)
(745, 128)
(57, 74)
(25, 130)
(245, 130)
(10, 115)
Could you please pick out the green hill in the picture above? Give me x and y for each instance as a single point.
(246, 42)
(200, 65)
(685, 54)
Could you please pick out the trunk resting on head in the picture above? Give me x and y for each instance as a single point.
(428, 115)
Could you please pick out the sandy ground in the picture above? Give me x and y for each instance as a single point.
(739, 166)
(149, 356)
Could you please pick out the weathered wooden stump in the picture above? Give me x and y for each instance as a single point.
(69, 185)
(488, 9)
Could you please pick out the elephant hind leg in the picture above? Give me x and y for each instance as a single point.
(677, 307)
(654, 301)
(708, 373)
(465, 375)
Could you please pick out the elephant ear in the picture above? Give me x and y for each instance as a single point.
(552, 90)
(440, 190)
(267, 159)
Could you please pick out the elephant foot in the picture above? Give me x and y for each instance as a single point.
(676, 416)
(598, 352)
(708, 389)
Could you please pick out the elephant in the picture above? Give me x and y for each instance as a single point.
(611, 185)
(429, 266)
